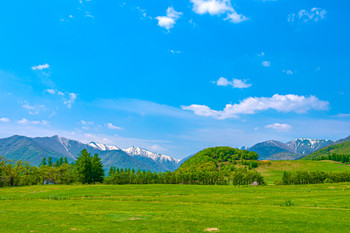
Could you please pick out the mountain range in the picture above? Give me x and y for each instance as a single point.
(35, 149)
(296, 149)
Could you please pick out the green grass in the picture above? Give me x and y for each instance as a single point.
(274, 170)
(343, 148)
(175, 208)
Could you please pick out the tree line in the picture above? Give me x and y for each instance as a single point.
(343, 158)
(305, 177)
(239, 176)
(88, 169)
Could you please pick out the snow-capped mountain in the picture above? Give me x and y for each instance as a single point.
(307, 146)
(169, 163)
(146, 153)
(103, 147)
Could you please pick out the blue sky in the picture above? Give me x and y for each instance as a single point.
(175, 77)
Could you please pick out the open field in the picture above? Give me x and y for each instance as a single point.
(175, 208)
(274, 170)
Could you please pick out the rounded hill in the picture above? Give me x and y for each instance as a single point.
(210, 159)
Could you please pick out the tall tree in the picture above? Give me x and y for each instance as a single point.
(97, 169)
(49, 162)
(84, 167)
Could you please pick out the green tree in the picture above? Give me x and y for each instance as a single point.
(49, 162)
(97, 171)
(43, 162)
(84, 167)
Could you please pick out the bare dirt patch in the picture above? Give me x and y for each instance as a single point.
(212, 229)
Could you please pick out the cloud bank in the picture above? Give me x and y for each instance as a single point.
(252, 105)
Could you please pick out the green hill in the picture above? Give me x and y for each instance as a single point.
(342, 148)
(273, 170)
(210, 159)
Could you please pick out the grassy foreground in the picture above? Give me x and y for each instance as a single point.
(175, 208)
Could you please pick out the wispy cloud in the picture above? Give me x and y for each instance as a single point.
(252, 105)
(236, 83)
(278, 127)
(266, 63)
(218, 7)
(4, 119)
(111, 126)
(169, 20)
(304, 16)
(41, 67)
(33, 109)
(70, 100)
(25, 121)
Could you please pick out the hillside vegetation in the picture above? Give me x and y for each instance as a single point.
(342, 148)
(273, 170)
(210, 159)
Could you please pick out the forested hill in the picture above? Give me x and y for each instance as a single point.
(340, 149)
(210, 159)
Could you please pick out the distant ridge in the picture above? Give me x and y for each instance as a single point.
(35, 149)
(295, 149)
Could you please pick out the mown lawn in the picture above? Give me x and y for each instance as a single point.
(175, 208)
(274, 170)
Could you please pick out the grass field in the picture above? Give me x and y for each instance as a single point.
(274, 170)
(175, 208)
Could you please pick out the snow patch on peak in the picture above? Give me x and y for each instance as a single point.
(145, 153)
(103, 147)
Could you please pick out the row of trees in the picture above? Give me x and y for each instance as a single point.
(304, 177)
(336, 157)
(87, 169)
(241, 176)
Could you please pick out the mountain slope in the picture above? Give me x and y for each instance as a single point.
(268, 148)
(342, 148)
(150, 158)
(306, 146)
(34, 150)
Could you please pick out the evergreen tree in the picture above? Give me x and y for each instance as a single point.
(84, 167)
(49, 162)
(43, 162)
(97, 171)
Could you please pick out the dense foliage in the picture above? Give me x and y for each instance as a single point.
(335, 157)
(304, 177)
(342, 148)
(210, 159)
(240, 176)
(87, 169)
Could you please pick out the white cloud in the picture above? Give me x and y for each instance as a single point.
(54, 91)
(289, 72)
(278, 127)
(71, 99)
(304, 16)
(234, 17)
(41, 67)
(24, 121)
(266, 63)
(143, 12)
(4, 119)
(175, 51)
(251, 105)
(33, 110)
(218, 7)
(169, 20)
(111, 126)
(236, 83)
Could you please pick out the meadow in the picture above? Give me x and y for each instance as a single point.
(273, 170)
(175, 208)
